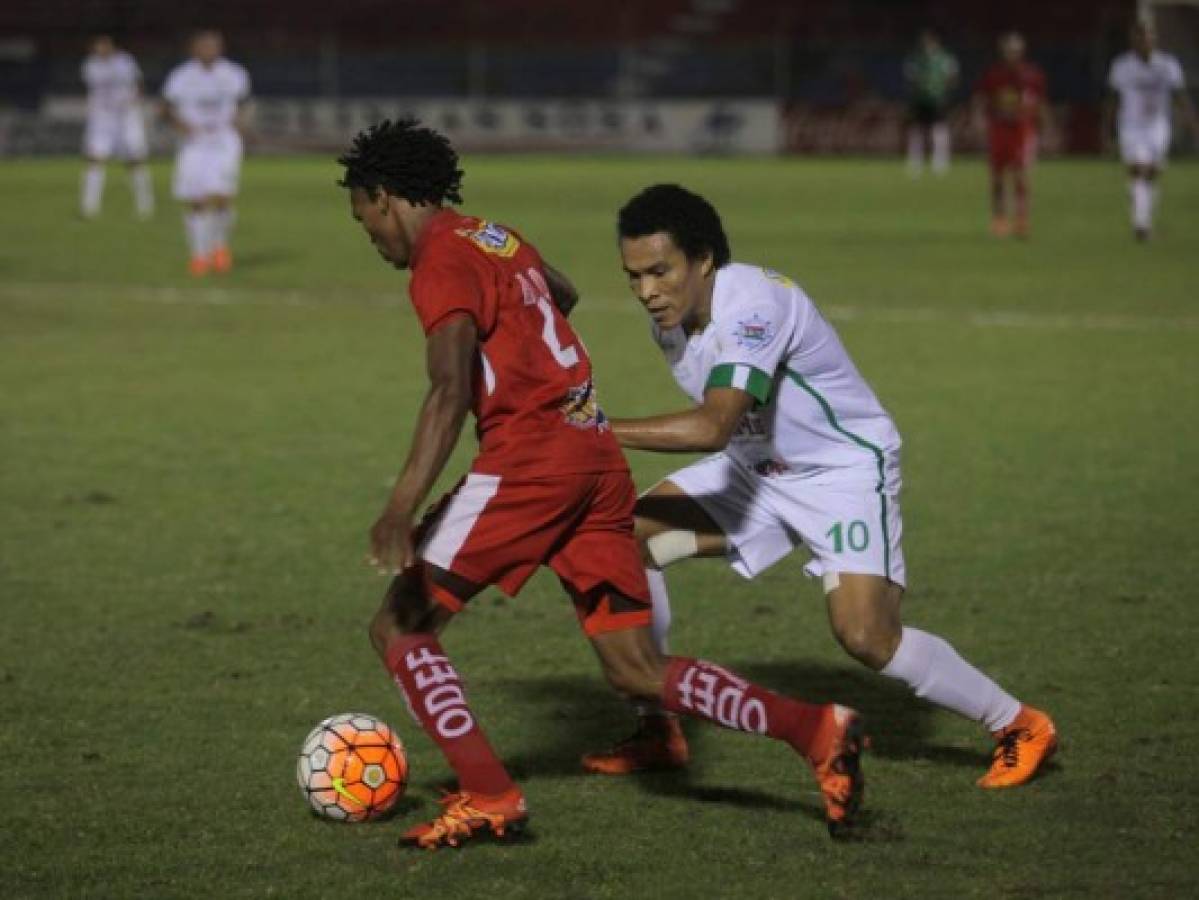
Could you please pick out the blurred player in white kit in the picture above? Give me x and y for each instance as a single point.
(114, 126)
(1146, 82)
(205, 102)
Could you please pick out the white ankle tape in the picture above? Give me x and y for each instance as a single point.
(670, 546)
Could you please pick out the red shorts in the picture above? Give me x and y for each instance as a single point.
(492, 530)
(1011, 146)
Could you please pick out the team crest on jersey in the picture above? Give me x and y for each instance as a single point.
(581, 408)
(492, 238)
(753, 333)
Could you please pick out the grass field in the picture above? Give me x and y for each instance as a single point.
(188, 471)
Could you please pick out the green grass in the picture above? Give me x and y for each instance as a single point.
(188, 471)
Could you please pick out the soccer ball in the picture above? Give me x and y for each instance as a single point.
(352, 768)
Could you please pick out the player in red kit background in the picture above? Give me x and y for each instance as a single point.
(549, 486)
(1011, 96)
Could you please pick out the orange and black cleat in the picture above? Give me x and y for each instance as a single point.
(657, 745)
(467, 815)
(837, 759)
(221, 259)
(1021, 749)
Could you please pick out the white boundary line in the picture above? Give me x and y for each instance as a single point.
(314, 299)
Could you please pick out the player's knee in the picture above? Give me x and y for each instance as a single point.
(406, 609)
(637, 673)
(381, 630)
(871, 643)
(635, 682)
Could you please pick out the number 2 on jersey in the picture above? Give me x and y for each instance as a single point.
(537, 293)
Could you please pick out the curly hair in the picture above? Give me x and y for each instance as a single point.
(690, 220)
(406, 160)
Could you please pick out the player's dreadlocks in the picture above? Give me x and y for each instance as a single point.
(688, 218)
(406, 160)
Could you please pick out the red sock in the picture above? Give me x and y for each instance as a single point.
(702, 689)
(436, 700)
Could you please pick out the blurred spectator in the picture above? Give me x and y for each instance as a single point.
(930, 73)
(115, 127)
(1011, 103)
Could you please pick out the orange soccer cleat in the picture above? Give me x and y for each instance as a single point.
(1021, 749)
(198, 267)
(465, 815)
(221, 259)
(836, 756)
(1001, 227)
(657, 744)
(1021, 227)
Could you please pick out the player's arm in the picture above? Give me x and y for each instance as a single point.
(241, 119)
(564, 293)
(1185, 110)
(705, 429)
(450, 360)
(170, 115)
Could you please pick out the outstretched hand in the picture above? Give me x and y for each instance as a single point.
(392, 550)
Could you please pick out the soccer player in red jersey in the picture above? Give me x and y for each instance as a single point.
(549, 486)
(1011, 97)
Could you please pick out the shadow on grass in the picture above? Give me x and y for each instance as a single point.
(261, 259)
(569, 716)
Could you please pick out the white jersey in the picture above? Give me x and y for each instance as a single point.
(205, 98)
(816, 418)
(112, 83)
(1146, 88)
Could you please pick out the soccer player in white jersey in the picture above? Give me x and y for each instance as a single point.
(205, 101)
(802, 452)
(1146, 83)
(114, 126)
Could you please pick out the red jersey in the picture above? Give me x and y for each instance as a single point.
(1014, 94)
(534, 399)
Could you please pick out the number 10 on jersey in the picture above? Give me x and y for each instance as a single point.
(857, 535)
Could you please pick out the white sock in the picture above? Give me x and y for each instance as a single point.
(222, 225)
(934, 670)
(197, 223)
(661, 598)
(660, 627)
(940, 148)
(143, 190)
(1142, 203)
(93, 189)
(915, 151)
(1152, 200)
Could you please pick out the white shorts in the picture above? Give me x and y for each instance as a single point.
(121, 135)
(1147, 146)
(208, 165)
(846, 528)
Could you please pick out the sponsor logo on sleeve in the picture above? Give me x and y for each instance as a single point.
(753, 333)
(492, 238)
